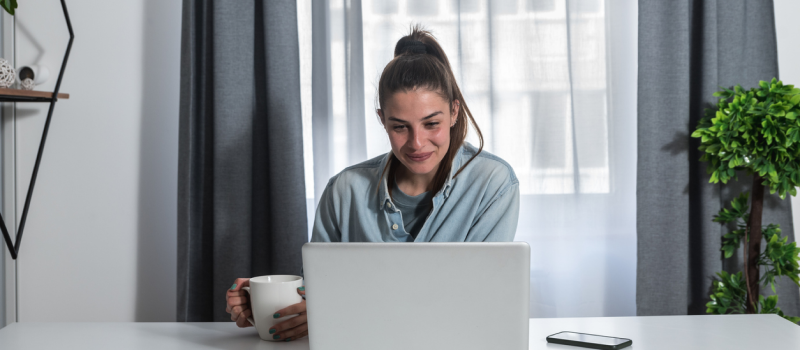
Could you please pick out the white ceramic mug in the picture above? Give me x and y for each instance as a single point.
(269, 294)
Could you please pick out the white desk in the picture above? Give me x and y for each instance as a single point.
(660, 333)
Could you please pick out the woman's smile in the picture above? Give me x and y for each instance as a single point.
(419, 157)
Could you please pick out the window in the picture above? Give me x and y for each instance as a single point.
(552, 85)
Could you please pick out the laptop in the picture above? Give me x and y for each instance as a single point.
(466, 296)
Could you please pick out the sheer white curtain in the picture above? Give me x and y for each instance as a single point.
(551, 83)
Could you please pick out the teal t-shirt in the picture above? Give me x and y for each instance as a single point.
(414, 210)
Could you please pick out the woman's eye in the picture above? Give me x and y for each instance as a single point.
(399, 127)
(433, 124)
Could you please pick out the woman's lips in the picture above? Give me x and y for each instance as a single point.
(419, 157)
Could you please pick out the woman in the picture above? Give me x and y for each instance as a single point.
(432, 186)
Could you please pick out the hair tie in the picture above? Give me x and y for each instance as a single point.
(413, 46)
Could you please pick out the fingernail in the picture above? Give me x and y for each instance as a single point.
(276, 336)
(272, 330)
(276, 315)
(233, 286)
(302, 289)
(288, 339)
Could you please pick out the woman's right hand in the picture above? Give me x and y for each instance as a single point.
(239, 303)
(295, 327)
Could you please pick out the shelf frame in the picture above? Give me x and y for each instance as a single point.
(32, 97)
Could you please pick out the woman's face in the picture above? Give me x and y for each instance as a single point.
(418, 124)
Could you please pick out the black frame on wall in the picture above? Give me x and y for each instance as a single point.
(13, 248)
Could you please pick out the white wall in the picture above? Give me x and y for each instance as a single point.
(786, 12)
(100, 240)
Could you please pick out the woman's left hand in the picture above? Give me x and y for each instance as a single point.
(295, 327)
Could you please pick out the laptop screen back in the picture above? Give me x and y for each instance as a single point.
(417, 295)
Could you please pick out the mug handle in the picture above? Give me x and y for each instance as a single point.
(250, 319)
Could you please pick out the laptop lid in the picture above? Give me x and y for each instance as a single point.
(417, 295)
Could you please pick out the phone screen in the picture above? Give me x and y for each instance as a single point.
(588, 338)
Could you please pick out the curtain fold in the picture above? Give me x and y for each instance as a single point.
(241, 192)
(340, 110)
(687, 50)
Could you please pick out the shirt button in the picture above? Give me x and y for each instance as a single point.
(389, 205)
(394, 227)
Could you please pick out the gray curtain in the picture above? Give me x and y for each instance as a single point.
(687, 49)
(241, 194)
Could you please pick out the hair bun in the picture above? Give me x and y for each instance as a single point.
(412, 46)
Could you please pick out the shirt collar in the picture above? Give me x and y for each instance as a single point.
(384, 188)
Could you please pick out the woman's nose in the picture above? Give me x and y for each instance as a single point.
(415, 139)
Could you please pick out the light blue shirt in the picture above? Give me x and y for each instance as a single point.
(481, 204)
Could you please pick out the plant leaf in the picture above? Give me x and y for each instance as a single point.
(9, 5)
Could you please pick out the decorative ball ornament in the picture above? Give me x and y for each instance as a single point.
(27, 84)
(7, 74)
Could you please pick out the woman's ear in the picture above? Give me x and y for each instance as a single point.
(454, 113)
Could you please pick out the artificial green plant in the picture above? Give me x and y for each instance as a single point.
(757, 131)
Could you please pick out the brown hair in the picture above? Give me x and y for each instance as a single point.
(419, 62)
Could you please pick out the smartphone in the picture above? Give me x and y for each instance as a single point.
(589, 340)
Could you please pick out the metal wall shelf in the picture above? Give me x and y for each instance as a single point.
(13, 95)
